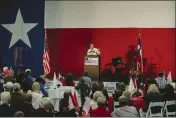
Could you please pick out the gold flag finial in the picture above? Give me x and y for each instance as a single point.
(140, 32)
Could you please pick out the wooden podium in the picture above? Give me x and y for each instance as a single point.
(92, 66)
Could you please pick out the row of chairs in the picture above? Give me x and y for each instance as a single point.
(163, 109)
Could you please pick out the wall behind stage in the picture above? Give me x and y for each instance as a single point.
(110, 25)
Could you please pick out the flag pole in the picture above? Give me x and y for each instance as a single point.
(142, 68)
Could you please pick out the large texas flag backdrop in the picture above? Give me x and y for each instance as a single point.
(22, 34)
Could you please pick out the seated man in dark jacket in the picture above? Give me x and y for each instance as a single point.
(44, 110)
(5, 109)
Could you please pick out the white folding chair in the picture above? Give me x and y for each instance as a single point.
(169, 103)
(155, 104)
(116, 104)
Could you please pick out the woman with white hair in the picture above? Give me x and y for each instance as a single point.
(36, 95)
(17, 98)
(101, 110)
(93, 103)
(5, 109)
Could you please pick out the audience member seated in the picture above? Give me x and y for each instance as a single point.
(169, 93)
(161, 82)
(127, 94)
(148, 83)
(93, 104)
(5, 109)
(152, 95)
(101, 110)
(42, 89)
(36, 95)
(8, 86)
(19, 114)
(17, 98)
(119, 91)
(27, 106)
(124, 109)
(9, 77)
(103, 90)
(64, 110)
(44, 109)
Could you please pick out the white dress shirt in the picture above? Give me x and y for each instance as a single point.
(93, 51)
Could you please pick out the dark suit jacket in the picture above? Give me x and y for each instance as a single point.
(66, 114)
(41, 113)
(17, 101)
(152, 97)
(6, 111)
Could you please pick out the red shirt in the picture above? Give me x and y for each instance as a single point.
(100, 112)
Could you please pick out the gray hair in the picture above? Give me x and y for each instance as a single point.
(127, 94)
(16, 87)
(123, 101)
(97, 94)
(5, 97)
(101, 101)
(8, 86)
(19, 114)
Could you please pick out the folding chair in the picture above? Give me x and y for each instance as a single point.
(155, 104)
(170, 103)
(116, 104)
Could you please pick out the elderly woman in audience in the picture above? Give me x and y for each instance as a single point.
(43, 111)
(124, 109)
(19, 114)
(101, 110)
(5, 109)
(169, 93)
(152, 95)
(17, 98)
(93, 104)
(127, 94)
(8, 86)
(119, 91)
(36, 95)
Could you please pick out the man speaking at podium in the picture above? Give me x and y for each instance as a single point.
(93, 51)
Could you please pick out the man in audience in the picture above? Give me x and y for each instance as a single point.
(101, 110)
(124, 110)
(5, 109)
(44, 109)
(161, 82)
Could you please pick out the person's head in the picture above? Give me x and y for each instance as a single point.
(19, 114)
(153, 89)
(46, 103)
(91, 46)
(95, 87)
(127, 94)
(150, 81)
(28, 98)
(11, 73)
(97, 94)
(123, 101)
(101, 101)
(169, 89)
(28, 72)
(5, 97)
(36, 87)
(16, 87)
(63, 105)
(101, 85)
(69, 79)
(8, 86)
(160, 74)
(86, 74)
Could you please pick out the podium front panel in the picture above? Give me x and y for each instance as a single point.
(91, 65)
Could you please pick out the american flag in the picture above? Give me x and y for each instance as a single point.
(140, 52)
(46, 60)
